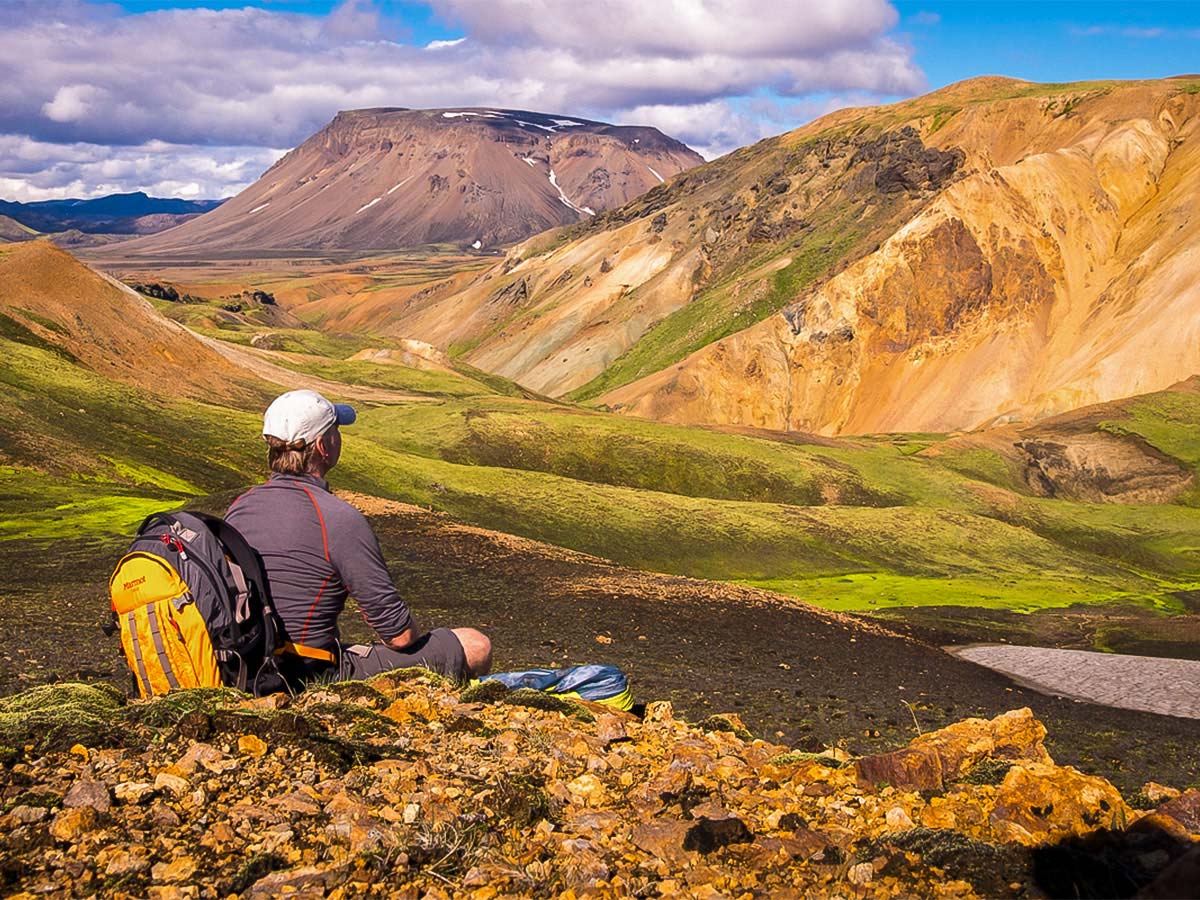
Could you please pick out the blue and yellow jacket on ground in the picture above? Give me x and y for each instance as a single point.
(597, 683)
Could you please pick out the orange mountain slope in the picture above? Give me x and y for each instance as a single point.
(11, 231)
(378, 179)
(111, 329)
(995, 251)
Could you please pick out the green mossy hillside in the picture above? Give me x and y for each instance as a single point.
(861, 524)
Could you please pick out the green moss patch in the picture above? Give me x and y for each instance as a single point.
(792, 757)
(170, 709)
(483, 692)
(535, 699)
(58, 716)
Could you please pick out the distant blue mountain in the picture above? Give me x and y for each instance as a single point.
(113, 214)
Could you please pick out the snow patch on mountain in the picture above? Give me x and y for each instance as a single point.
(563, 197)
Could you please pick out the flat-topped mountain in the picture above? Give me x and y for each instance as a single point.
(387, 178)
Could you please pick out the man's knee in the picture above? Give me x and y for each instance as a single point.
(477, 649)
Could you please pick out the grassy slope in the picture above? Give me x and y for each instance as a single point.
(717, 312)
(904, 530)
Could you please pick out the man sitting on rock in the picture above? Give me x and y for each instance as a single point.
(318, 550)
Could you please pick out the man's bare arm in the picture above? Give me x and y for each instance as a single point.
(404, 638)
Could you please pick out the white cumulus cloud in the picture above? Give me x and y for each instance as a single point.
(38, 170)
(211, 88)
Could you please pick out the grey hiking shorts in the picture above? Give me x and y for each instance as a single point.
(438, 650)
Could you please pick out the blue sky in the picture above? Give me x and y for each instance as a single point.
(1050, 41)
(198, 98)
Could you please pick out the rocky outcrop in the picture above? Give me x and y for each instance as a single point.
(405, 786)
(933, 760)
(1101, 467)
(901, 162)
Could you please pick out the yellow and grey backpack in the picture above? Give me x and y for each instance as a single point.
(190, 600)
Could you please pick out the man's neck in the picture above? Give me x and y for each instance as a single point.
(307, 475)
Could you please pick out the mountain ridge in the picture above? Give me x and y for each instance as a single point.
(384, 178)
(128, 213)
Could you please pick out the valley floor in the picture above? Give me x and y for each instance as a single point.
(796, 675)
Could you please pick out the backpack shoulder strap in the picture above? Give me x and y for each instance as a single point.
(238, 548)
(253, 572)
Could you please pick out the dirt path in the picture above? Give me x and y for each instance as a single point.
(1170, 687)
(259, 362)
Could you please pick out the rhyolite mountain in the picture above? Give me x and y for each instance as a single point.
(377, 179)
(133, 213)
(53, 301)
(994, 251)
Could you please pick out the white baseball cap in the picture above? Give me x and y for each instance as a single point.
(304, 416)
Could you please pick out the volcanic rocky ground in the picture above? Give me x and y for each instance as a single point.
(796, 675)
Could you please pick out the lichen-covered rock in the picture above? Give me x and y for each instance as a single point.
(401, 789)
(1040, 803)
(934, 759)
(72, 824)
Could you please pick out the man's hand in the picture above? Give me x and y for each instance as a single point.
(403, 640)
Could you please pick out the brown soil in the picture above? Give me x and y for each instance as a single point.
(796, 674)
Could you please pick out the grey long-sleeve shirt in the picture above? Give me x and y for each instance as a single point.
(318, 550)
